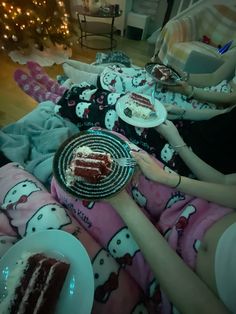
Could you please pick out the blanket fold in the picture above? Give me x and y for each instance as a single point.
(33, 140)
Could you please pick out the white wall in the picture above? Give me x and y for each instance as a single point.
(156, 9)
(151, 8)
(73, 3)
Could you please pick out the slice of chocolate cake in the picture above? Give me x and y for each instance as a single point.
(142, 101)
(88, 165)
(161, 72)
(139, 106)
(34, 285)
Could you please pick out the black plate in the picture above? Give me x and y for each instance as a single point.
(101, 141)
(175, 78)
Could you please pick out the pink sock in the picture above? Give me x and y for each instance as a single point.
(41, 76)
(33, 88)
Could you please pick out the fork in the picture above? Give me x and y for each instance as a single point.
(125, 161)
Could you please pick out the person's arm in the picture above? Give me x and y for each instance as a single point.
(214, 187)
(175, 112)
(183, 287)
(220, 193)
(196, 82)
(224, 72)
(200, 168)
(217, 98)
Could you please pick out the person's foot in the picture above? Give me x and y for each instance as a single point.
(38, 73)
(29, 85)
(32, 88)
(78, 76)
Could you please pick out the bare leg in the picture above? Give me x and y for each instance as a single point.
(79, 76)
(90, 68)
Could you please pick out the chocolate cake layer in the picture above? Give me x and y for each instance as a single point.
(42, 278)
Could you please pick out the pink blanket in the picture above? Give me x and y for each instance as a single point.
(123, 281)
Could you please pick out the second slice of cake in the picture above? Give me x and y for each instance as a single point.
(139, 106)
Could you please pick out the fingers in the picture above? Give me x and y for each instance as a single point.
(181, 83)
(138, 155)
(166, 122)
(169, 107)
(135, 179)
(142, 158)
(163, 124)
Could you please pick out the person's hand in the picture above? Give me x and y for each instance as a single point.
(182, 87)
(136, 176)
(169, 131)
(149, 166)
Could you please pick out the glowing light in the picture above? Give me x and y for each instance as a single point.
(72, 286)
(19, 22)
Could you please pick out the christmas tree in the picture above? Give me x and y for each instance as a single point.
(34, 23)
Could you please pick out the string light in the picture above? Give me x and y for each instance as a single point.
(19, 23)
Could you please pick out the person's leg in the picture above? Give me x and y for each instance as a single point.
(90, 68)
(78, 76)
(38, 73)
(32, 88)
(105, 225)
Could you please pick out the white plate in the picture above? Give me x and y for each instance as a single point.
(78, 290)
(101, 141)
(139, 122)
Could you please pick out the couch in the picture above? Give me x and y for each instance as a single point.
(204, 30)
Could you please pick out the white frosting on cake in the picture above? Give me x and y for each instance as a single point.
(138, 109)
(164, 72)
(85, 151)
(70, 178)
(30, 286)
(49, 277)
(13, 281)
